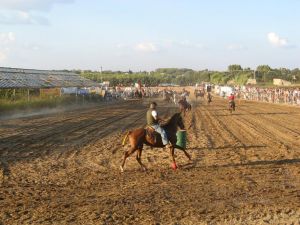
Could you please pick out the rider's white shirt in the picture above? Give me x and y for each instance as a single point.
(154, 114)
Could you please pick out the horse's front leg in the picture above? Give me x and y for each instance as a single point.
(174, 165)
(182, 111)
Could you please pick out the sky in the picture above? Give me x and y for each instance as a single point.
(149, 34)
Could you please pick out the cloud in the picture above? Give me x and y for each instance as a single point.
(28, 5)
(277, 41)
(123, 46)
(236, 47)
(158, 46)
(31, 47)
(26, 11)
(21, 17)
(146, 47)
(182, 44)
(188, 44)
(6, 38)
(2, 56)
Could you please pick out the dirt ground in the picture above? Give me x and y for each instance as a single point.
(64, 168)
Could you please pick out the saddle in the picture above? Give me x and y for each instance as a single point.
(151, 134)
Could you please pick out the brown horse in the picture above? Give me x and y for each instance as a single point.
(199, 93)
(184, 106)
(139, 137)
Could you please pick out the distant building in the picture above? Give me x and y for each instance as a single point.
(251, 81)
(14, 78)
(105, 83)
(281, 82)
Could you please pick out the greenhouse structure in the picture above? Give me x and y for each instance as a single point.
(38, 82)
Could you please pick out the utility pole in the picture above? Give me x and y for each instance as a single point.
(101, 74)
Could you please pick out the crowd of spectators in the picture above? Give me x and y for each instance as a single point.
(273, 95)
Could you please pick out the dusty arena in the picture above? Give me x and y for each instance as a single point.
(64, 168)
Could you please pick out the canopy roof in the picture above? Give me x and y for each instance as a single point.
(28, 78)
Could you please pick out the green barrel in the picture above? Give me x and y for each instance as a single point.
(181, 138)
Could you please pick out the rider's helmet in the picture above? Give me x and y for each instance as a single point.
(153, 105)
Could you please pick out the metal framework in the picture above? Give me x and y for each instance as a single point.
(12, 78)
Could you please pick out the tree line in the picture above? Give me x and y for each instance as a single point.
(235, 74)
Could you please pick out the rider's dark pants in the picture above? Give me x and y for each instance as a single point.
(233, 104)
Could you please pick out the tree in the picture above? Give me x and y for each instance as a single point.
(262, 72)
(234, 67)
(216, 78)
(263, 68)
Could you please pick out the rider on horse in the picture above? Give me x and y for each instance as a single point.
(153, 121)
(231, 101)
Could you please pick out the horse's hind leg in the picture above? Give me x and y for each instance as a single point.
(187, 154)
(139, 158)
(126, 155)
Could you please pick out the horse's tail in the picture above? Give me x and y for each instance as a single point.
(125, 138)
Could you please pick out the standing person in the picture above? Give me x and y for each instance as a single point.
(153, 121)
(175, 98)
(209, 97)
(223, 94)
(231, 101)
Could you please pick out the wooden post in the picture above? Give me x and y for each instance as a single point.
(14, 94)
(76, 95)
(28, 95)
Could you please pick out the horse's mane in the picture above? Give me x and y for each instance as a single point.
(171, 120)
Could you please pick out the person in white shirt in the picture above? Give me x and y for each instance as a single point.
(153, 121)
